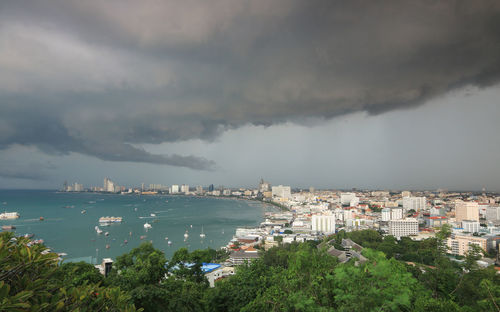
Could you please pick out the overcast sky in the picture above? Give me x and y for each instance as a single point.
(331, 94)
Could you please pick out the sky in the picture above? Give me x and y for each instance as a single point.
(330, 94)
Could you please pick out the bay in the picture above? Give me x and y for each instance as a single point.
(65, 229)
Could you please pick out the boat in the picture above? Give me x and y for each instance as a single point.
(8, 227)
(166, 238)
(110, 219)
(41, 219)
(147, 225)
(186, 235)
(98, 230)
(125, 241)
(107, 246)
(38, 241)
(143, 237)
(169, 242)
(153, 215)
(91, 202)
(29, 235)
(202, 235)
(69, 206)
(9, 215)
(107, 233)
(84, 211)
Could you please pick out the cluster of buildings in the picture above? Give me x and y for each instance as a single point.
(312, 215)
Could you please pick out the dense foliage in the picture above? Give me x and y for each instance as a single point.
(400, 275)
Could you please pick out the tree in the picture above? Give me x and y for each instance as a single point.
(28, 282)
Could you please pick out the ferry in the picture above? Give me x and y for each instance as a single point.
(110, 219)
(9, 215)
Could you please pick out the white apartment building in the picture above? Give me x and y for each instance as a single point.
(109, 186)
(470, 226)
(459, 244)
(396, 213)
(466, 211)
(492, 213)
(323, 223)
(404, 227)
(415, 203)
(174, 189)
(405, 194)
(184, 188)
(345, 198)
(386, 214)
(282, 191)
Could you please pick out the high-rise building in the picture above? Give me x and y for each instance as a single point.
(264, 186)
(396, 213)
(281, 191)
(492, 213)
(386, 214)
(345, 198)
(174, 189)
(323, 223)
(184, 188)
(211, 188)
(459, 244)
(466, 211)
(470, 226)
(405, 194)
(109, 186)
(199, 189)
(404, 227)
(414, 203)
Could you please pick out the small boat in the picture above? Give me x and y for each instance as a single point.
(143, 236)
(169, 242)
(107, 233)
(107, 246)
(135, 208)
(8, 227)
(166, 238)
(71, 206)
(191, 226)
(92, 202)
(98, 230)
(147, 225)
(84, 211)
(41, 218)
(38, 241)
(202, 235)
(153, 215)
(125, 241)
(29, 235)
(186, 235)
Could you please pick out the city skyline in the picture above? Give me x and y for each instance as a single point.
(328, 94)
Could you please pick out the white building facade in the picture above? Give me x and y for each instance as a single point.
(323, 223)
(404, 227)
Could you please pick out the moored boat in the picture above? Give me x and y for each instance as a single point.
(9, 215)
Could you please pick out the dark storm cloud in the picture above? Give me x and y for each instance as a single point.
(103, 77)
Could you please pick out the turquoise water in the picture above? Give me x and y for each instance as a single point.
(66, 229)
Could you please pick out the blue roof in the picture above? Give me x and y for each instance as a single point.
(205, 267)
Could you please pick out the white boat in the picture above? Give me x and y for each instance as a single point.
(147, 225)
(98, 230)
(186, 235)
(110, 219)
(153, 215)
(166, 238)
(169, 242)
(9, 215)
(202, 235)
(84, 211)
(107, 233)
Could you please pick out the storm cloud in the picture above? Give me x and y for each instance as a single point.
(103, 78)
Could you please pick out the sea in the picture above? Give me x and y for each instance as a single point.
(69, 221)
